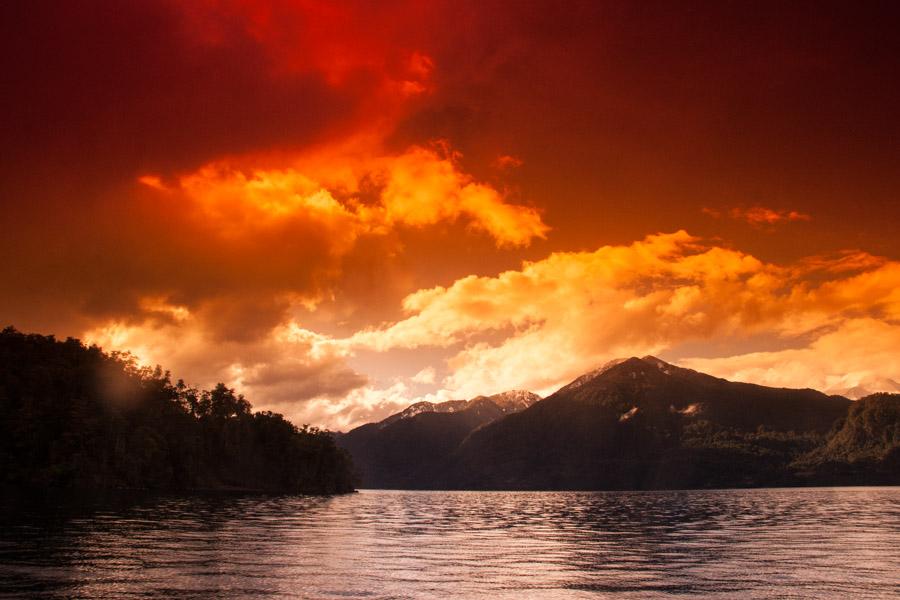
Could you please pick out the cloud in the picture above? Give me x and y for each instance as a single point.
(426, 375)
(188, 180)
(505, 161)
(318, 206)
(248, 242)
(540, 326)
(422, 189)
(354, 191)
(161, 93)
(661, 275)
(191, 179)
(297, 381)
(842, 262)
(831, 321)
(241, 241)
(758, 216)
(368, 404)
(289, 370)
(192, 81)
(361, 406)
(853, 353)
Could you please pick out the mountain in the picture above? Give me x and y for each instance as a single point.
(644, 423)
(410, 449)
(424, 407)
(866, 387)
(509, 402)
(635, 423)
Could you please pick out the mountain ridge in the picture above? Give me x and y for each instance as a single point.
(400, 449)
(633, 423)
(507, 402)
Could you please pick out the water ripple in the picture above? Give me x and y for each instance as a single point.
(798, 543)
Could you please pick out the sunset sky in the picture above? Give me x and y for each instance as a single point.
(343, 208)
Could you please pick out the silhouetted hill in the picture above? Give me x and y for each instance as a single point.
(643, 423)
(410, 449)
(661, 389)
(864, 448)
(75, 417)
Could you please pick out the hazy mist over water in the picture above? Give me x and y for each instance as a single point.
(763, 543)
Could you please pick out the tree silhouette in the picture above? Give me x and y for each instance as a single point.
(73, 416)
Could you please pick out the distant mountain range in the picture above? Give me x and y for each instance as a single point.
(636, 423)
(407, 448)
(507, 402)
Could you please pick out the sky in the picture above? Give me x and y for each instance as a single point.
(342, 208)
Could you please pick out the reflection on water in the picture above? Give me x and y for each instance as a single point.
(802, 543)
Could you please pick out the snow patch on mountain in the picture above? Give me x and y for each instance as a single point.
(627, 415)
(659, 364)
(591, 375)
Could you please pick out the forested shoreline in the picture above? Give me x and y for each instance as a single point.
(75, 417)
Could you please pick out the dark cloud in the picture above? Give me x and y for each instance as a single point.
(103, 89)
(101, 92)
(293, 383)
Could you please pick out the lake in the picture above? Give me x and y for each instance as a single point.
(765, 543)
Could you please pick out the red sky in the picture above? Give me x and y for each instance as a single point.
(341, 208)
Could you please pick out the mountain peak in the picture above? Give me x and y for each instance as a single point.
(657, 362)
(424, 407)
(593, 374)
(508, 402)
(513, 400)
(639, 368)
(632, 364)
(667, 368)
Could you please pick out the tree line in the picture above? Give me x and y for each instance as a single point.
(73, 416)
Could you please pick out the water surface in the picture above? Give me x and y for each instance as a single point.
(775, 543)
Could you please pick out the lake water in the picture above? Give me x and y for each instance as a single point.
(776, 543)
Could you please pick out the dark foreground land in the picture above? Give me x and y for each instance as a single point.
(75, 418)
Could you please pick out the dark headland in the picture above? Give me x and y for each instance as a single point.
(76, 418)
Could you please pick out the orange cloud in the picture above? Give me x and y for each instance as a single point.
(537, 327)
(758, 215)
(350, 196)
(281, 371)
(271, 138)
(845, 261)
(857, 352)
(270, 236)
(505, 161)
(152, 181)
(658, 275)
(291, 370)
